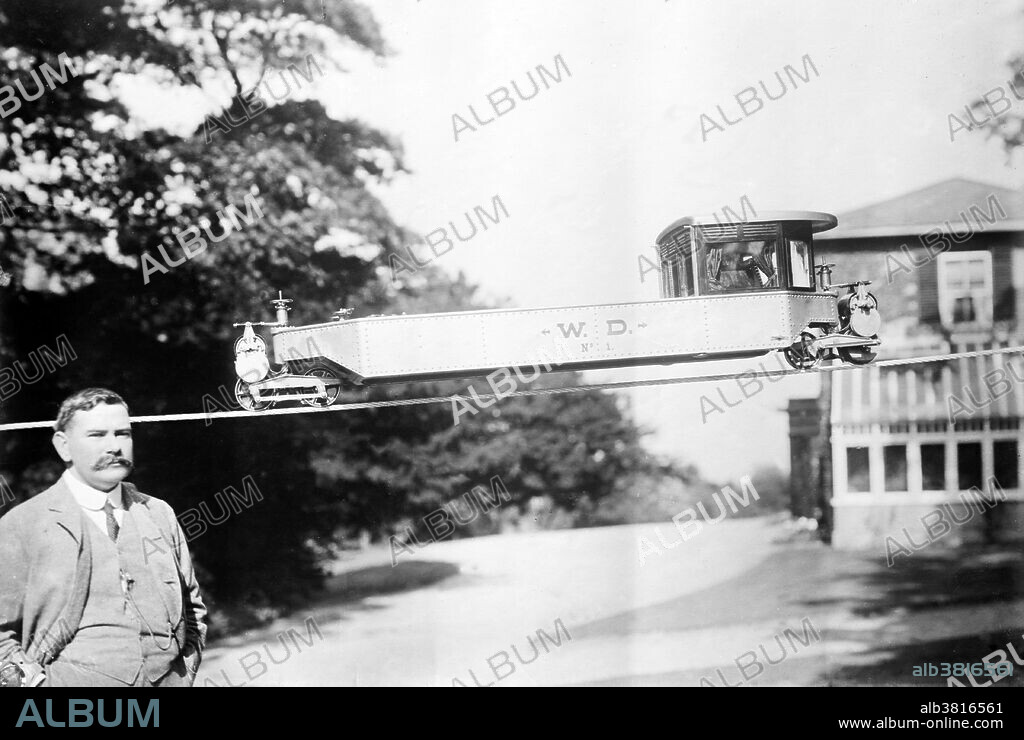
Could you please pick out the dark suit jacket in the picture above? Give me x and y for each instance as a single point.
(46, 564)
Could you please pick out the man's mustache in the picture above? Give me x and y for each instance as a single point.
(108, 461)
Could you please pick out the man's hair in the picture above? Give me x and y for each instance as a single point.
(84, 400)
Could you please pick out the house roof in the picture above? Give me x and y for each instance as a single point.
(940, 206)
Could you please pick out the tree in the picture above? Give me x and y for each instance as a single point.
(998, 110)
(94, 195)
(99, 200)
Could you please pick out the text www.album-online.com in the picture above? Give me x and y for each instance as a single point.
(943, 723)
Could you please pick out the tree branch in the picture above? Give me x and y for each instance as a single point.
(222, 46)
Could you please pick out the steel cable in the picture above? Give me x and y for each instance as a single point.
(617, 385)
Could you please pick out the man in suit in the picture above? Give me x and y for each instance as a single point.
(97, 586)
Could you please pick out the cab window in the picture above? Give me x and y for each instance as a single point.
(800, 263)
(737, 266)
(677, 267)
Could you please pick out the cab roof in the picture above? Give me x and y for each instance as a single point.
(819, 221)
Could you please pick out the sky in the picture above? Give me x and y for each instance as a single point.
(593, 167)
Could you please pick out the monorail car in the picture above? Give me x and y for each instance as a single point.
(728, 290)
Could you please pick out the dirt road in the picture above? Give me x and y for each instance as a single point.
(732, 605)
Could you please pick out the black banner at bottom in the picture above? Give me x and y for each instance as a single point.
(839, 709)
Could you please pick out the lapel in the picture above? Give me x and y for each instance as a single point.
(143, 518)
(154, 543)
(68, 513)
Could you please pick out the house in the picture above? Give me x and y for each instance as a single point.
(924, 451)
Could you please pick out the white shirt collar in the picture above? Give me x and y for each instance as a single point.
(89, 497)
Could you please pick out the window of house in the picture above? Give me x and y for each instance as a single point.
(895, 460)
(1005, 462)
(968, 464)
(965, 288)
(933, 467)
(858, 470)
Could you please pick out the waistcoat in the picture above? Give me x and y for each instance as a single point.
(126, 629)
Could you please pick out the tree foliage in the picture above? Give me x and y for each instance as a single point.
(1006, 123)
(94, 192)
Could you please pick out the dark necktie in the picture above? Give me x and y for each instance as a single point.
(112, 527)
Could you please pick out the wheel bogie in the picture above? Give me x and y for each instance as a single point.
(862, 355)
(801, 354)
(333, 387)
(246, 399)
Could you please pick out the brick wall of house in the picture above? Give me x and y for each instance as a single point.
(905, 281)
(904, 278)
